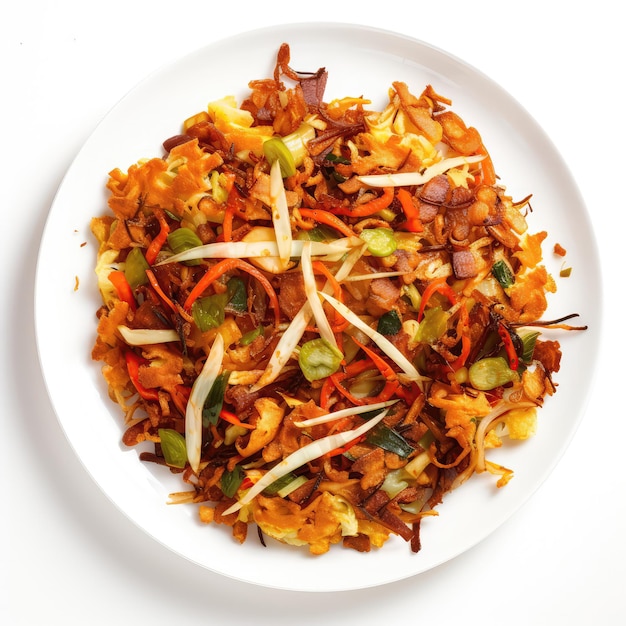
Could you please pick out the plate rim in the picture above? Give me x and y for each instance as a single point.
(264, 32)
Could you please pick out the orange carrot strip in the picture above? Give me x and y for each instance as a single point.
(231, 418)
(327, 218)
(155, 285)
(369, 208)
(438, 285)
(226, 265)
(486, 165)
(123, 289)
(413, 222)
(340, 323)
(159, 241)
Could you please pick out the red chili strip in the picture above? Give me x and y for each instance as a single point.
(509, 346)
(133, 362)
(231, 418)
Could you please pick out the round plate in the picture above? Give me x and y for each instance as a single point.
(360, 61)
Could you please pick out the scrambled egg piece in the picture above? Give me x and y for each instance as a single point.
(521, 423)
(323, 523)
(461, 412)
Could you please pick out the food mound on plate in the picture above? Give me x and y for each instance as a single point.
(321, 316)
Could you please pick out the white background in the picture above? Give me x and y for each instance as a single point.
(69, 556)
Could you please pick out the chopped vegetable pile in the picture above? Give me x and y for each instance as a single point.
(322, 316)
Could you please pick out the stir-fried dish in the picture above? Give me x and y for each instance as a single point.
(319, 315)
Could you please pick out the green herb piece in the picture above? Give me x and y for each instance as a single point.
(388, 439)
(173, 447)
(528, 346)
(337, 158)
(215, 400)
(231, 481)
(237, 295)
(277, 485)
(389, 323)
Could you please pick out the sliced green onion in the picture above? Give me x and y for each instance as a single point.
(319, 233)
(173, 447)
(280, 214)
(300, 457)
(292, 486)
(250, 336)
(528, 345)
(381, 242)
(183, 239)
(319, 359)
(503, 274)
(433, 325)
(491, 372)
(277, 485)
(389, 323)
(208, 312)
(135, 268)
(297, 141)
(199, 392)
(274, 150)
(147, 336)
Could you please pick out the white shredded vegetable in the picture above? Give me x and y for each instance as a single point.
(303, 455)
(353, 410)
(380, 340)
(291, 337)
(199, 392)
(310, 287)
(252, 249)
(280, 213)
(404, 179)
(147, 336)
(359, 277)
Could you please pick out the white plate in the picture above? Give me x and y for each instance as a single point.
(360, 61)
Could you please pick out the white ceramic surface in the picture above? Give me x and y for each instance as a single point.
(360, 61)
